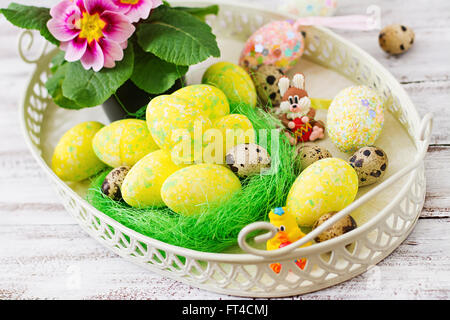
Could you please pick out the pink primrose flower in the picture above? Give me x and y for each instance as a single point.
(92, 31)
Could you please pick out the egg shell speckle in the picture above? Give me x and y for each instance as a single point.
(123, 143)
(325, 186)
(234, 81)
(171, 115)
(370, 163)
(277, 43)
(196, 188)
(74, 158)
(142, 185)
(355, 118)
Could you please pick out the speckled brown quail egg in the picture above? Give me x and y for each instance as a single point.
(248, 159)
(339, 228)
(113, 182)
(370, 163)
(396, 38)
(266, 79)
(308, 154)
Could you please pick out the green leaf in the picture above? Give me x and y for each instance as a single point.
(54, 87)
(177, 37)
(57, 61)
(29, 17)
(200, 12)
(89, 88)
(154, 75)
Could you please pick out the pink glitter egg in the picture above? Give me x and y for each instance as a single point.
(278, 43)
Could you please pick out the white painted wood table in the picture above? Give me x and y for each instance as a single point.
(44, 254)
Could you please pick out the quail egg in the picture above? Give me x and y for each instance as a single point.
(370, 164)
(266, 79)
(396, 39)
(113, 183)
(248, 159)
(339, 228)
(308, 154)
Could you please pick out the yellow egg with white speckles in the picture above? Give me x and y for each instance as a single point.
(197, 188)
(142, 185)
(123, 143)
(234, 81)
(235, 129)
(211, 100)
(325, 186)
(73, 158)
(240, 126)
(187, 111)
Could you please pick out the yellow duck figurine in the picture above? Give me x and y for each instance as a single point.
(288, 232)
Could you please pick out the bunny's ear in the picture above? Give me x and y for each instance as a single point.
(299, 81)
(283, 85)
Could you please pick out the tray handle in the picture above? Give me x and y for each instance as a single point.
(424, 137)
(25, 47)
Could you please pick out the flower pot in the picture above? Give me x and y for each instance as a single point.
(128, 99)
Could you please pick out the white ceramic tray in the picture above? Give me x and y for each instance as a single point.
(385, 214)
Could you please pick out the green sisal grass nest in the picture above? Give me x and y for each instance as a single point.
(216, 229)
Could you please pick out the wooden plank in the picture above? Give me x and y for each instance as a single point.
(422, 14)
(433, 96)
(437, 202)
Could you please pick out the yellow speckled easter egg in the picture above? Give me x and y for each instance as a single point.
(142, 185)
(233, 80)
(123, 143)
(209, 99)
(170, 116)
(196, 188)
(74, 158)
(355, 118)
(240, 130)
(325, 186)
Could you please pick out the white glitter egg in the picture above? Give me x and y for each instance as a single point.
(355, 118)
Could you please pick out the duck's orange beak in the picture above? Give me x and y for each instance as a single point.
(282, 236)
